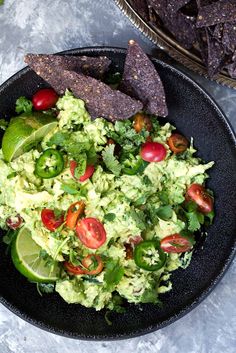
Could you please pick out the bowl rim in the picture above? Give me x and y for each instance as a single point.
(188, 307)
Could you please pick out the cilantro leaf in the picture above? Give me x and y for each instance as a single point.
(164, 212)
(3, 124)
(164, 196)
(69, 189)
(150, 296)
(81, 166)
(45, 288)
(11, 175)
(191, 206)
(80, 151)
(23, 105)
(210, 216)
(139, 218)
(114, 273)
(116, 304)
(110, 160)
(59, 138)
(127, 137)
(1, 2)
(110, 217)
(193, 221)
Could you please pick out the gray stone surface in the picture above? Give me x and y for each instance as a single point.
(54, 25)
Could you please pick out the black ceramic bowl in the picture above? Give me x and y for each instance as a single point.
(195, 114)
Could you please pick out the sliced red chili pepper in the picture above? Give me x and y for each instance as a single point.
(93, 264)
(50, 220)
(73, 213)
(75, 270)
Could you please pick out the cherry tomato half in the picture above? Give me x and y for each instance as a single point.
(198, 194)
(75, 270)
(177, 143)
(91, 233)
(153, 152)
(142, 121)
(88, 172)
(93, 264)
(50, 220)
(14, 222)
(73, 213)
(176, 243)
(44, 99)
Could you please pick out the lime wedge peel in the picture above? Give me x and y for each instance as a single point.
(25, 255)
(21, 135)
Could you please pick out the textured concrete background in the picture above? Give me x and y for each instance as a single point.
(53, 25)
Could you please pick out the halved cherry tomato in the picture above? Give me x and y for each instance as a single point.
(142, 121)
(88, 172)
(73, 213)
(14, 222)
(75, 270)
(44, 99)
(176, 243)
(198, 194)
(153, 152)
(93, 264)
(91, 232)
(177, 143)
(49, 219)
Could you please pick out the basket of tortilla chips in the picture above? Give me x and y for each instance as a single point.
(201, 34)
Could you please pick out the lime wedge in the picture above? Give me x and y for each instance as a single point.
(25, 255)
(24, 132)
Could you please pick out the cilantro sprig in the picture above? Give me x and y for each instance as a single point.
(83, 152)
(23, 105)
(110, 160)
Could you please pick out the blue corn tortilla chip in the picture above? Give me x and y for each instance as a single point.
(216, 58)
(229, 36)
(141, 81)
(218, 12)
(100, 99)
(91, 66)
(218, 32)
(202, 43)
(201, 3)
(175, 5)
(182, 27)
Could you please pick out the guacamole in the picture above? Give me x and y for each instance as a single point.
(112, 209)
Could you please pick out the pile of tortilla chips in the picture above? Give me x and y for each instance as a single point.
(206, 25)
(140, 88)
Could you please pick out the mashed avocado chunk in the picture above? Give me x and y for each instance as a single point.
(127, 199)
